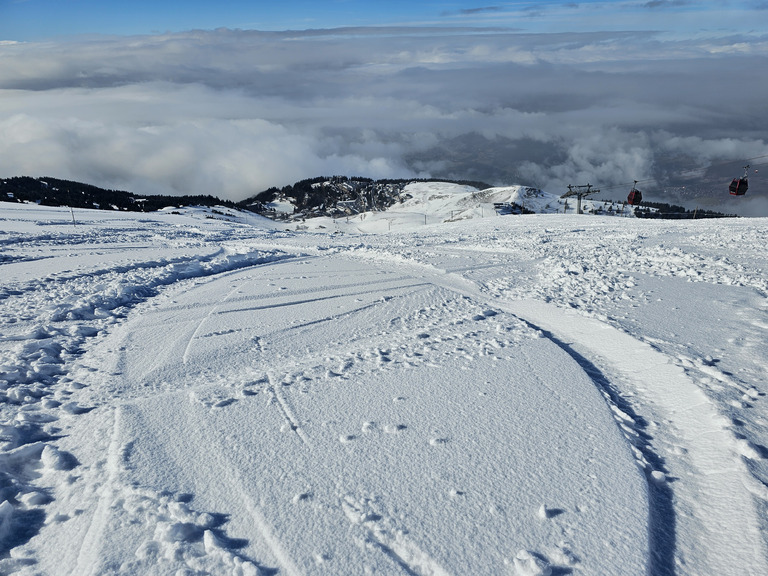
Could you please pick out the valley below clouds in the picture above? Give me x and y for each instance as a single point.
(232, 112)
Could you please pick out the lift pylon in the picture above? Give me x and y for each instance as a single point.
(580, 192)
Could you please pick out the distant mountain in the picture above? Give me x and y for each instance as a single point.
(336, 196)
(56, 192)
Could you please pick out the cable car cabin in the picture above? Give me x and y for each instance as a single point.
(738, 187)
(635, 197)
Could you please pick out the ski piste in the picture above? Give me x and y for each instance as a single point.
(529, 395)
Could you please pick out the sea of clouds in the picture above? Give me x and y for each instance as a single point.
(233, 112)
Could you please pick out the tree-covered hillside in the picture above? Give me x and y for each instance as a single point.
(57, 192)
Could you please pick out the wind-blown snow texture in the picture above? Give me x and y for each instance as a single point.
(192, 393)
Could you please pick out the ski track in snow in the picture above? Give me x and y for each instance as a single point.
(435, 303)
(711, 451)
(46, 323)
(720, 461)
(290, 420)
(88, 555)
(711, 458)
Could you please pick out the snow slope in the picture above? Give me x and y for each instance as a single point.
(549, 394)
(443, 202)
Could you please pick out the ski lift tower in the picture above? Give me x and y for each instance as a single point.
(580, 192)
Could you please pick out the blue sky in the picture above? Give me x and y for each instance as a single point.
(41, 19)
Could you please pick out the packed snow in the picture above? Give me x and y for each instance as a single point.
(434, 389)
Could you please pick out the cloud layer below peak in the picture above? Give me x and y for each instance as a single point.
(231, 112)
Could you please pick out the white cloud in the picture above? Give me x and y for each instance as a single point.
(231, 113)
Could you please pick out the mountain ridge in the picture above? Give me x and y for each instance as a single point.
(321, 196)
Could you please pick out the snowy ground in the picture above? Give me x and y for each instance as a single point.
(549, 394)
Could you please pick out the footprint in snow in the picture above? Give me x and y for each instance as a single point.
(484, 314)
(225, 402)
(563, 556)
(369, 427)
(303, 497)
(527, 563)
(545, 513)
(75, 409)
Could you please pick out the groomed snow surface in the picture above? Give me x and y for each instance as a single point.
(190, 392)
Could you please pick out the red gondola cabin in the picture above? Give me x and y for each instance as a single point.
(739, 186)
(635, 196)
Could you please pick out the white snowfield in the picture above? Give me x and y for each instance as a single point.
(190, 393)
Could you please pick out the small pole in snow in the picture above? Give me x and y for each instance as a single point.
(71, 210)
(425, 219)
